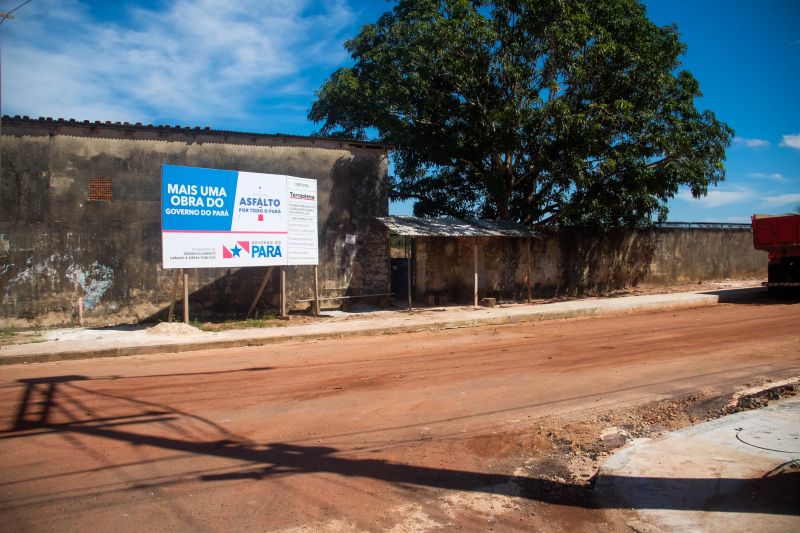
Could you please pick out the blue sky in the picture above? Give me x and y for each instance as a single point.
(253, 65)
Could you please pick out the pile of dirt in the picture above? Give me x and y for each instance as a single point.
(760, 399)
(172, 328)
(570, 451)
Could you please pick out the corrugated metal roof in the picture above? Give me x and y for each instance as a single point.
(454, 227)
(49, 121)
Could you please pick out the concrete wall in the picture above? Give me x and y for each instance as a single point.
(572, 262)
(57, 246)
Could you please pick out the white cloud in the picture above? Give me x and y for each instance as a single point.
(776, 176)
(791, 141)
(779, 200)
(188, 61)
(717, 198)
(750, 143)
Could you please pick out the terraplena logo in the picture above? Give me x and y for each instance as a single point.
(254, 250)
(301, 196)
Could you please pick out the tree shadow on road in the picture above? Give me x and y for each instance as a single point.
(43, 397)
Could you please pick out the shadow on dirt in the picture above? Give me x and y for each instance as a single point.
(58, 405)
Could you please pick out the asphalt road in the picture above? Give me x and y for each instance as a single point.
(412, 432)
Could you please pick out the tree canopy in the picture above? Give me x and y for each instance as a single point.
(537, 111)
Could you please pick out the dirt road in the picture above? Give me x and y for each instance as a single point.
(474, 429)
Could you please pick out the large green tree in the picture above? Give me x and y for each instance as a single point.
(538, 111)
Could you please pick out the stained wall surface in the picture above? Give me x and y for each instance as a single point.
(574, 262)
(57, 245)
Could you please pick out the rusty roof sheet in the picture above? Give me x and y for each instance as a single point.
(49, 121)
(455, 227)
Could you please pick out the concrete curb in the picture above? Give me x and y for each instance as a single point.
(713, 476)
(576, 309)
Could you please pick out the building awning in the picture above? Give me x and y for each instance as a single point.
(455, 227)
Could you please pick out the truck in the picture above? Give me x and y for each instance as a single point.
(779, 236)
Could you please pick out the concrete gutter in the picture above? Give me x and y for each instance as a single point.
(736, 473)
(87, 343)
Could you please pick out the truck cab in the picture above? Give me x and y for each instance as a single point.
(779, 236)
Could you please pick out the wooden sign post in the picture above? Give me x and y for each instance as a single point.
(475, 272)
(174, 295)
(283, 292)
(185, 296)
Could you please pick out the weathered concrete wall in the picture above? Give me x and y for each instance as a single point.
(571, 262)
(701, 254)
(57, 246)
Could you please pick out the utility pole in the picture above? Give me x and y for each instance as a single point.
(3, 18)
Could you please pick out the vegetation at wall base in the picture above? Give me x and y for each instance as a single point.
(265, 321)
(535, 111)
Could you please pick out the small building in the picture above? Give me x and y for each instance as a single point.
(453, 260)
(448, 260)
(80, 226)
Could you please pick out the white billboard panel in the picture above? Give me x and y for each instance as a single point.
(224, 218)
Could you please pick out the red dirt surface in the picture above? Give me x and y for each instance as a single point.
(474, 429)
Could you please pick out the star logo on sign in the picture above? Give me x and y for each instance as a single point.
(236, 250)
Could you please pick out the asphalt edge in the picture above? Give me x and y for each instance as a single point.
(699, 300)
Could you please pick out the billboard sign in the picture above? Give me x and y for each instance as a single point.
(224, 218)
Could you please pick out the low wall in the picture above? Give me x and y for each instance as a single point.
(573, 262)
